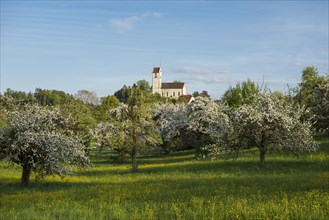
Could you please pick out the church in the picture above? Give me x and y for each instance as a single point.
(171, 90)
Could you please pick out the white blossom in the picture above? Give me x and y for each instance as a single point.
(270, 124)
(40, 139)
(171, 120)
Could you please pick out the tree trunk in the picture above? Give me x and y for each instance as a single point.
(262, 152)
(122, 156)
(26, 175)
(134, 150)
(134, 159)
(199, 144)
(165, 147)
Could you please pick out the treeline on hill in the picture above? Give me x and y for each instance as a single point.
(134, 120)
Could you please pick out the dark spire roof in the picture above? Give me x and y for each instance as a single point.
(156, 69)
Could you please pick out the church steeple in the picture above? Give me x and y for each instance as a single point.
(156, 80)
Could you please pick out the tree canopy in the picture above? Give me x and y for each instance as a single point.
(44, 131)
(40, 140)
(87, 97)
(242, 93)
(136, 121)
(267, 124)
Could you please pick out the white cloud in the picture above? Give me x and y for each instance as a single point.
(217, 78)
(123, 25)
(199, 70)
(210, 80)
(154, 14)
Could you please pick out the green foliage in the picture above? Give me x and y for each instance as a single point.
(321, 101)
(46, 97)
(6, 104)
(123, 94)
(156, 98)
(82, 116)
(144, 86)
(78, 112)
(304, 96)
(135, 120)
(195, 94)
(19, 96)
(310, 78)
(242, 93)
(280, 96)
(177, 187)
(101, 112)
(203, 94)
(109, 102)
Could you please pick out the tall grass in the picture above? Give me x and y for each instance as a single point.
(177, 187)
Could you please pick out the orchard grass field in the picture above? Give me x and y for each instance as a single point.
(177, 187)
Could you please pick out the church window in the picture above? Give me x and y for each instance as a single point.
(155, 76)
(174, 94)
(178, 93)
(167, 94)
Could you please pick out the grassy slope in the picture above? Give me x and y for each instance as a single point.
(177, 187)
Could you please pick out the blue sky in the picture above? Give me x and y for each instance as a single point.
(210, 45)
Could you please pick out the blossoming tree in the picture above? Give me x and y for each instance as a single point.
(209, 121)
(40, 140)
(171, 120)
(321, 100)
(113, 135)
(269, 124)
(135, 120)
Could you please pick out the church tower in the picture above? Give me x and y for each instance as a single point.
(156, 80)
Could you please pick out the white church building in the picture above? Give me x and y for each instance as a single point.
(171, 90)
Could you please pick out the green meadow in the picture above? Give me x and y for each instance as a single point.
(176, 187)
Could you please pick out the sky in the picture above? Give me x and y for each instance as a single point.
(210, 45)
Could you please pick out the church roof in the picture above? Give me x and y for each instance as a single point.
(188, 98)
(175, 85)
(156, 69)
